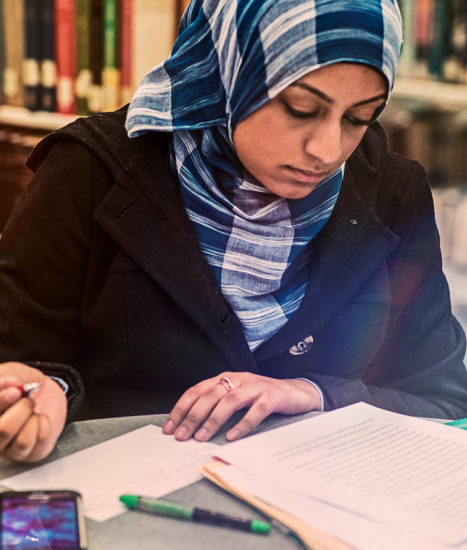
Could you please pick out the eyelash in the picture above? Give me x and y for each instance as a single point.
(303, 115)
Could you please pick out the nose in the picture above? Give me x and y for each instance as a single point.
(324, 142)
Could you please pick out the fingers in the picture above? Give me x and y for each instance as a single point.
(44, 441)
(213, 410)
(214, 407)
(253, 418)
(9, 392)
(8, 397)
(13, 420)
(202, 409)
(29, 427)
(187, 401)
(33, 441)
(223, 411)
(8, 381)
(22, 446)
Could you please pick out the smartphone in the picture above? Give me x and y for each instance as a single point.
(41, 520)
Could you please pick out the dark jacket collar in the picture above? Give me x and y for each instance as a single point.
(144, 213)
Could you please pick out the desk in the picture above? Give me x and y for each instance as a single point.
(140, 531)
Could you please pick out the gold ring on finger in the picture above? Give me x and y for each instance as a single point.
(227, 383)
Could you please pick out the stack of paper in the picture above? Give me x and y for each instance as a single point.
(372, 479)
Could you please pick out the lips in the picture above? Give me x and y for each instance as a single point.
(306, 176)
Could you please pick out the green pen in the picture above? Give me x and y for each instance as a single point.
(173, 509)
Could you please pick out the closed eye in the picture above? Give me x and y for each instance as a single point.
(308, 115)
(299, 114)
(358, 121)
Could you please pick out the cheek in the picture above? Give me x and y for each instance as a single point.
(259, 143)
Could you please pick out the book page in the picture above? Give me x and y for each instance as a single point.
(143, 462)
(404, 472)
(353, 530)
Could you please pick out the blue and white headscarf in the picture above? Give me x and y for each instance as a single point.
(230, 58)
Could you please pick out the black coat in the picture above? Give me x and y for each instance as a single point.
(101, 274)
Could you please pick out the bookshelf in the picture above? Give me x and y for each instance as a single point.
(439, 95)
(60, 59)
(40, 120)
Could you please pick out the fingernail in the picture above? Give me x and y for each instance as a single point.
(11, 395)
(181, 432)
(202, 435)
(169, 426)
(233, 435)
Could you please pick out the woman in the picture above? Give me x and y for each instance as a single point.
(218, 258)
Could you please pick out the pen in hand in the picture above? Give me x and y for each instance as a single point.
(173, 509)
(27, 389)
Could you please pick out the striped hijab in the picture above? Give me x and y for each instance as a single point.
(230, 58)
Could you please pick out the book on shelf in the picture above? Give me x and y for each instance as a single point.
(154, 22)
(435, 40)
(110, 74)
(13, 32)
(48, 67)
(125, 49)
(83, 76)
(81, 56)
(32, 56)
(66, 55)
(96, 45)
(2, 53)
(39, 72)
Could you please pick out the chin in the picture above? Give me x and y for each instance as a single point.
(291, 191)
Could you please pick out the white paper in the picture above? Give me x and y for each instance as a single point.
(143, 462)
(347, 527)
(404, 472)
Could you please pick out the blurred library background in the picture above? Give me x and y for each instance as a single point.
(60, 59)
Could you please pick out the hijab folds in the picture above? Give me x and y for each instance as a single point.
(230, 58)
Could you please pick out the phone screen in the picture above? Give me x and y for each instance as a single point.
(32, 522)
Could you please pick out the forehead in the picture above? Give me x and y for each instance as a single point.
(343, 82)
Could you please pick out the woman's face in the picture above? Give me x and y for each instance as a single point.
(304, 134)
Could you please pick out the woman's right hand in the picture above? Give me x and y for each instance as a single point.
(29, 426)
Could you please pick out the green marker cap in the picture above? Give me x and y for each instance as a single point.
(258, 526)
(129, 500)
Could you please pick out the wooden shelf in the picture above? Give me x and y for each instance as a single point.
(17, 116)
(431, 93)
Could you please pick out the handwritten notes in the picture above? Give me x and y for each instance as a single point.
(143, 462)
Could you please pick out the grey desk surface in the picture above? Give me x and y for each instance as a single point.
(140, 531)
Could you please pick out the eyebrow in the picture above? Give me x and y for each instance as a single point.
(328, 99)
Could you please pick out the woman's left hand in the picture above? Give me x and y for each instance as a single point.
(204, 408)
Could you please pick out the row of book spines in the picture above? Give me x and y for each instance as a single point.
(435, 39)
(50, 84)
(93, 66)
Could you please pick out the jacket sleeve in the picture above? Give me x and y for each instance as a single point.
(420, 369)
(44, 253)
